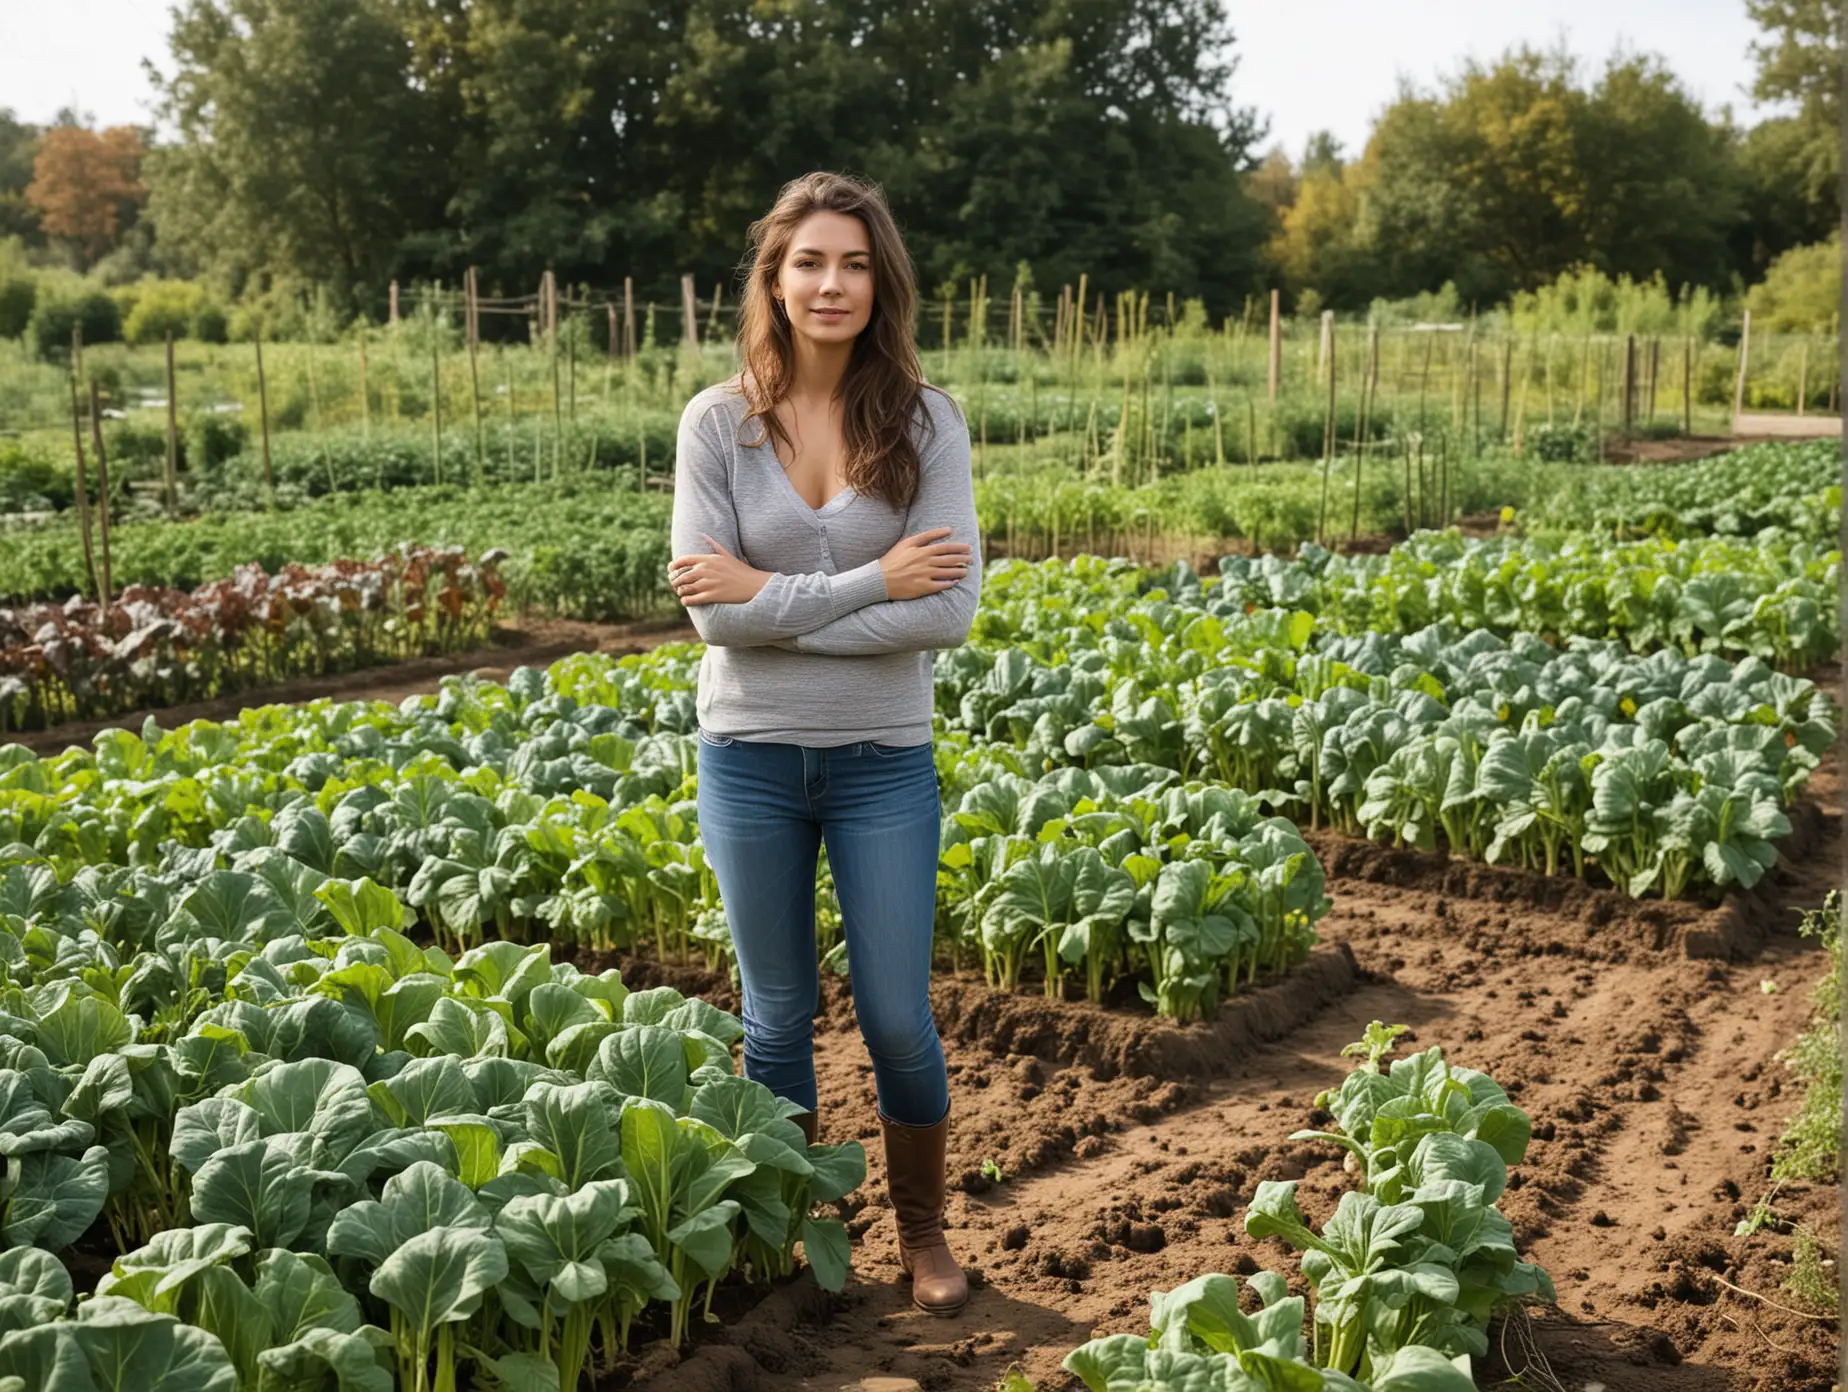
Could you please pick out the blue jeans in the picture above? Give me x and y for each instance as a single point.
(764, 811)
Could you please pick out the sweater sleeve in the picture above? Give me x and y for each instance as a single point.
(789, 604)
(945, 498)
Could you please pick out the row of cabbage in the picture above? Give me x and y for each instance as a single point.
(519, 813)
(1406, 1274)
(341, 1160)
(1663, 772)
(1774, 599)
(1794, 487)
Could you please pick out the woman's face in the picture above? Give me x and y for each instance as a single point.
(826, 279)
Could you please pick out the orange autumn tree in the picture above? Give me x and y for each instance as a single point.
(83, 183)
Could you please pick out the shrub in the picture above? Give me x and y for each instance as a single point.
(56, 314)
(1802, 290)
(29, 481)
(163, 307)
(211, 439)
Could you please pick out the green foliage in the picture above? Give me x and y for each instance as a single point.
(418, 137)
(1795, 488)
(60, 307)
(1812, 1278)
(1515, 171)
(18, 288)
(182, 308)
(30, 481)
(1584, 300)
(1810, 1149)
(1801, 291)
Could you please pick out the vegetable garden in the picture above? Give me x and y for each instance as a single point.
(360, 1046)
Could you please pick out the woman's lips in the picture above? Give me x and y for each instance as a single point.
(829, 313)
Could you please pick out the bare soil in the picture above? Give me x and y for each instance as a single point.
(1636, 1034)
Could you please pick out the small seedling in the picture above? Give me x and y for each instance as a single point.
(992, 1171)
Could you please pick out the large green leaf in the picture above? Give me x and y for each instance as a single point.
(421, 1198)
(50, 1200)
(439, 1276)
(576, 1123)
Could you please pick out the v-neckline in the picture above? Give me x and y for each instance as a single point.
(827, 509)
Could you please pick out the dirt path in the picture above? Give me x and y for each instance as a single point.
(1636, 1035)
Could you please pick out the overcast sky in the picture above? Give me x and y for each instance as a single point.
(1325, 64)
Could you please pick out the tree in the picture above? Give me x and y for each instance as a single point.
(301, 154)
(1514, 172)
(18, 148)
(1800, 61)
(86, 186)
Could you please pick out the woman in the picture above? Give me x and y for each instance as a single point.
(824, 539)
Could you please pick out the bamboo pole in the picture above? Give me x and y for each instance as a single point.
(1655, 365)
(1627, 385)
(436, 409)
(1507, 384)
(474, 399)
(83, 493)
(102, 488)
(1745, 358)
(1328, 435)
(628, 318)
(558, 421)
(314, 400)
(171, 476)
(1369, 388)
(269, 479)
(1276, 345)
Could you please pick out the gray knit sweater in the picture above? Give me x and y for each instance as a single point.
(821, 656)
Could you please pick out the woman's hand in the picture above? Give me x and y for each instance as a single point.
(716, 579)
(924, 564)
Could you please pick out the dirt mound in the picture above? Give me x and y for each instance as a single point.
(1128, 1150)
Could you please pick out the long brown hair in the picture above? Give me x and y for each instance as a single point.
(883, 388)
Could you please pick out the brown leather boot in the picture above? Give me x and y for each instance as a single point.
(916, 1181)
(810, 1122)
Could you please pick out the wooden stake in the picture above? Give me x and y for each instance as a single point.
(1655, 364)
(471, 307)
(1276, 345)
(611, 307)
(628, 318)
(392, 314)
(558, 423)
(689, 311)
(474, 397)
(1802, 376)
(1687, 386)
(1328, 434)
(1745, 358)
(102, 487)
(172, 476)
(365, 401)
(436, 409)
(1627, 409)
(1507, 383)
(1369, 388)
(83, 493)
(314, 400)
(269, 479)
